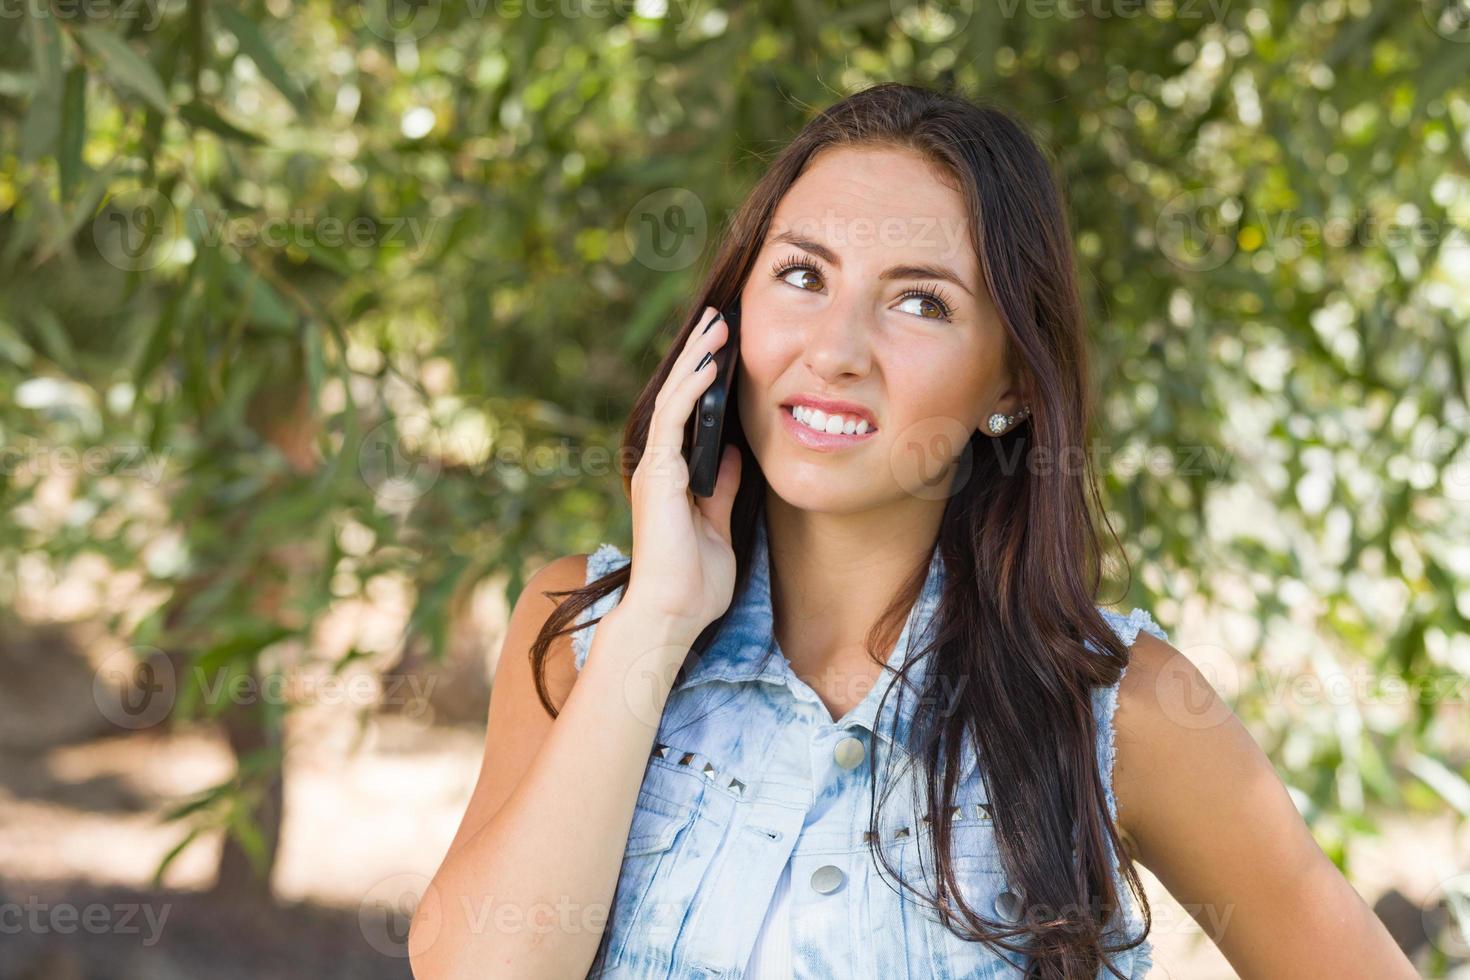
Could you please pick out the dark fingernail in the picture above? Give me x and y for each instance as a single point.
(708, 356)
(717, 319)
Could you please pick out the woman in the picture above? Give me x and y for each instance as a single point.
(854, 715)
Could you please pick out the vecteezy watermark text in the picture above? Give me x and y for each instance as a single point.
(141, 229)
(149, 13)
(38, 459)
(97, 918)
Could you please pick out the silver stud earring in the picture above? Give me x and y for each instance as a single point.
(999, 422)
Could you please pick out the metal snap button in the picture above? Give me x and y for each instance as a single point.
(849, 752)
(1008, 906)
(827, 879)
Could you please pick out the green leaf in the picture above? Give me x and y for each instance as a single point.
(38, 131)
(201, 116)
(430, 615)
(127, 69)
(333, 257)
(152, 352)
(197, 803)
(173, 853)
(1452, 787)
(247, 832)
(13, 346)
(45, 50)
(650, 313)
(315, 362)
(258, 49)
(62, 226)
(264, 306)
(53, 337)
(73, 130)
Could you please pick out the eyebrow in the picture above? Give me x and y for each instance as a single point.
(892, 272)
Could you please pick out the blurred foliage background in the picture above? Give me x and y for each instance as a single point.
(297, 299)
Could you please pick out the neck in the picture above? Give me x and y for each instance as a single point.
(832, 576)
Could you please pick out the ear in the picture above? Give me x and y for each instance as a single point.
(1014, 396)
(1014, 403)
(1011, 403)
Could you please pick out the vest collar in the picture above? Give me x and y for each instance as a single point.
(738, 652)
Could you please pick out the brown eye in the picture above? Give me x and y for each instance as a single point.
(928, 298)
(804, 278)
(928, 309)
(794, 264)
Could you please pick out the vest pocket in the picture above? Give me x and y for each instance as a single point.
(655, 825)
(646, 912)
(987, 892)
(984, 888)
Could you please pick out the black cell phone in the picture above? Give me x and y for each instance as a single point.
(704, 433)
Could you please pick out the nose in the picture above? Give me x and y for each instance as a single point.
(837, 341)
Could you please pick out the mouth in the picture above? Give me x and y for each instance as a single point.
(818, 431)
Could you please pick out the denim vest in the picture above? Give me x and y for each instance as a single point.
(749, 771)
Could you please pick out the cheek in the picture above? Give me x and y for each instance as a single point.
(942, 383)
(765, 353)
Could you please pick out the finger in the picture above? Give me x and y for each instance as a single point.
(694, 344)
(671, 415)
(701, 340)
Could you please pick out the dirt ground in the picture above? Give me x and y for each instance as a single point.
(370, 809)
(364, 829)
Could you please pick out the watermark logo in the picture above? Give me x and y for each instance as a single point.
(137, 230)
(1450, 19)
(649, 678)
(387, 911)
(134, 687)
(137, 687)
(140, 229)
(1447, 917)
(401, 20)
(666, 230)
(37, 459)
(1201, 230)
(1194, 229)
(400, 459)
(1444, 450)
(1182, 10)
(931, 23)
(149, 13)
(939, 236)
(933, 458)
(1186, 701)
(36, 917)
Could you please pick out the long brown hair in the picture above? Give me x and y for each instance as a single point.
(1020, 542)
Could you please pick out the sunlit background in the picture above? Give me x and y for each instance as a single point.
(319, 323)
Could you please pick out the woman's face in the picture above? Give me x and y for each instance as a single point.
(836, 308)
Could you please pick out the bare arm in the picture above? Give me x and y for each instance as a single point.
(529, 878)
(526, 888)
(1214, 822)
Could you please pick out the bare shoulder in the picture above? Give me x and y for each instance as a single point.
(536, 604)
(1183, 757)
(1202, 807)
(1163, 689)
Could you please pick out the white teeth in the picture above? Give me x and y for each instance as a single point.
(815, 418)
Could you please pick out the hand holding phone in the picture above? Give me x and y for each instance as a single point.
(683, 559)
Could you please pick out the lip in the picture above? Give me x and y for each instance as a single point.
(833, 406)
(822, 442)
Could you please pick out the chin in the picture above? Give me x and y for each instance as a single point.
(811, 486)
